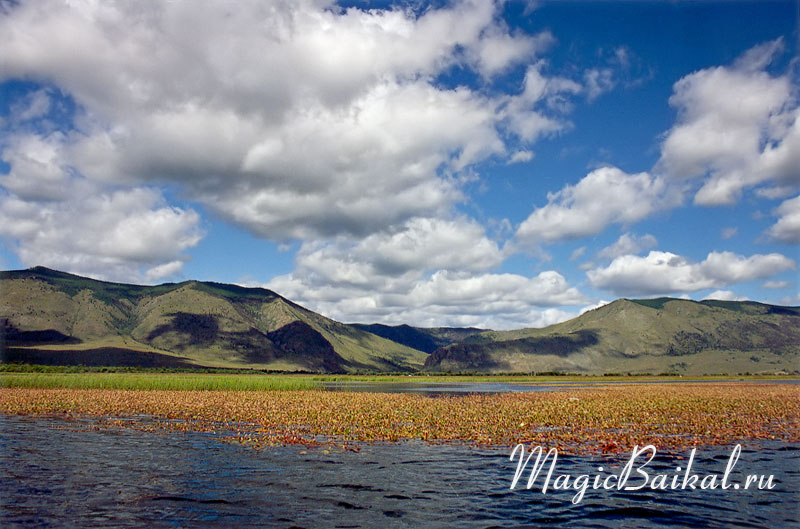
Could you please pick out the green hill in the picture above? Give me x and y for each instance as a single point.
(52, 317)
(641, 336)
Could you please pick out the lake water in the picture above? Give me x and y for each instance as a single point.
(57, 473)
(443, 388)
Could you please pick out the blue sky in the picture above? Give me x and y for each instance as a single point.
(451, 163)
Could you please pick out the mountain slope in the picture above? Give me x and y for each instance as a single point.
(662, 335)
(53, 317)
(422, 339)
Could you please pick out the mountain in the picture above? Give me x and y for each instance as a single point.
(641, 336)
(52, 317)
(423, 339)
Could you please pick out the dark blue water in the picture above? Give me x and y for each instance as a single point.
(59, 473)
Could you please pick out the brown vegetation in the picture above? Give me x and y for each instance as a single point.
(611, 419)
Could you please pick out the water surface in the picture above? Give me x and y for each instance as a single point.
(58, 473)
(444, 388)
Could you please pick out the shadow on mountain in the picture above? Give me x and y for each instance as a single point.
(402, 334)
(12, 336)
(489, 356)
(101, 356)
(301, 343)
(200, 329)
(297, 342)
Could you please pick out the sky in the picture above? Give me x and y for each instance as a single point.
(465, 163)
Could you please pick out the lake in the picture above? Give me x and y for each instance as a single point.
(59, 473)
(445, 388)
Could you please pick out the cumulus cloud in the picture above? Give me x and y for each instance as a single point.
(38, 171)
(725, 295)
(428, 272)
(667, 273)
(787, 229)
(523, 115)
(627, 244)
(123, 235)
(497, 49)
(418, 245)
(737, 127)
(498, 301)
(336, 126)
(605, 196)
(294, 120)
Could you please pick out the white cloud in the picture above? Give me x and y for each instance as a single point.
(598, 81)
(523, 114)
(787, 229)
(577, 253)
(37, 169)
(725, 295)
(737, 127)
(125, 235)
(520, 157)
(161, 271)
(304, 120)
(776, 285)
(33, 105)
(605, 196)
(593, 306)
(774, 192)
(729, 233)
(419, 245)
(429, 272)
(548, 288)
(627, 244)
(666, 273)
(497, 49)
(498, 301)
(620, 66)
(293, 120)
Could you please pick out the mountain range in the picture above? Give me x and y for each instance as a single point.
(52, 317)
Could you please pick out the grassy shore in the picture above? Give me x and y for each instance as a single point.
(158, 381)
(239, 381)
(608, 419)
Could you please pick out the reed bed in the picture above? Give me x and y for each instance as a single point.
(158, 381)
(610, 419)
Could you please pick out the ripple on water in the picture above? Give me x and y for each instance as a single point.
(52, 476)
